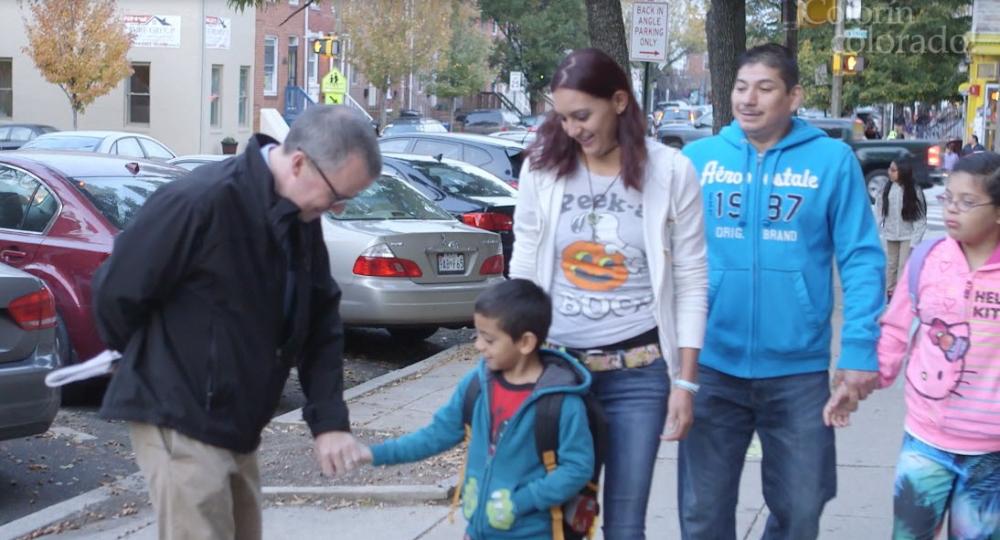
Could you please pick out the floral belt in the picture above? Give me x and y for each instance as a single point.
(601, 360)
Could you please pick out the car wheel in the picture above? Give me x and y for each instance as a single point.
(673, 143)
(412, 334)
(63, 348)
(876, 181)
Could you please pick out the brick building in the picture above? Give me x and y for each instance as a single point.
(283, 52)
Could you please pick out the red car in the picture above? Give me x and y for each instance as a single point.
(59, 214)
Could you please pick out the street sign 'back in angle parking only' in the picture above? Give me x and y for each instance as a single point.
(649, 32)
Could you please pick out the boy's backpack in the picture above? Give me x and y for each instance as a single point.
(917, 258)
(577, 518)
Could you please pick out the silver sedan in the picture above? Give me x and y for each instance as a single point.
(405, 264)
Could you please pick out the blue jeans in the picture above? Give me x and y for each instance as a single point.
(635, 402)
(798, 468)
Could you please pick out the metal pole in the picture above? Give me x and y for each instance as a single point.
(646, 87)
(838, 47)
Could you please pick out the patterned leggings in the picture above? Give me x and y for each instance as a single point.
(930, 482)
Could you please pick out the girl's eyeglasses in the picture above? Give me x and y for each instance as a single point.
(961, 205)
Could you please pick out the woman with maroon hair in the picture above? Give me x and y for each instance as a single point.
(610, 224)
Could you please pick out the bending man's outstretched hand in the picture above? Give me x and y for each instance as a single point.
(338, 452)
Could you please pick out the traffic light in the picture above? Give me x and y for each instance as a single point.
(813, 13)
(847, 64)
(328, 46)
(853, 64)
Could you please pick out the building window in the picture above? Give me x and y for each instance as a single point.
(243, 107)
(293, 2)
(6, 88)
(354, 75)
(496, 28)
(137, 111)
(215, 99)
(270, 66)
(313, 68)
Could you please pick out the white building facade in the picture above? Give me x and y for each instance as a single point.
(191, 86)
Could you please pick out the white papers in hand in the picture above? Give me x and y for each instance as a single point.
(102, 364)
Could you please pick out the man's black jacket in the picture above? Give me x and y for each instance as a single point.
(193, 297)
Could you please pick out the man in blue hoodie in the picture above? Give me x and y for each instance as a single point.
(782, 202)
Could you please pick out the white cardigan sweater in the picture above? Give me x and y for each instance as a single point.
(672, 219)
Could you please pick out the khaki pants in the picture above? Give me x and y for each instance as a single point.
(199, 491)
(896, 253)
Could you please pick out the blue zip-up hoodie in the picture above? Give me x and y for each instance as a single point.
(514, 472)
(774, 222)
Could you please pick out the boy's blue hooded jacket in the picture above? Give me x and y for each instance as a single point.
(775, 221)
(514, 472)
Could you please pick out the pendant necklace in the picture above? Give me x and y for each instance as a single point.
(592, 217)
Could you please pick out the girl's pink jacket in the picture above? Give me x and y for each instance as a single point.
(953, 376)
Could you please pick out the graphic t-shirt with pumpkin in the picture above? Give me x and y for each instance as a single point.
(601, 293)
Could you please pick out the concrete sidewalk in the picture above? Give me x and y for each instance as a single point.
(866, 457)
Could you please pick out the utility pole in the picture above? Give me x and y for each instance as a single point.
(838, 49)
(789, 15)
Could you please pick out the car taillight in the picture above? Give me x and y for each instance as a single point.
(934, 156)
(491, 221)
(492, 265)
(513, 184)
(34, 311)
(380, 261)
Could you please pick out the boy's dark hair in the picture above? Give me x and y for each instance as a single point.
(776, 57)
(984, 167)
(519, 306)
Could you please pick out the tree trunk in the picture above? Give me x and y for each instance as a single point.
(381, 107)
(451, 115)
(74, 119)
(607, 30)
(726, 31)
(789, 16)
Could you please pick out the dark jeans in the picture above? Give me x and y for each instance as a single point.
(635, 402)
(798, 469)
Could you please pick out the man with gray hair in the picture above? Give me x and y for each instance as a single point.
(220, 284)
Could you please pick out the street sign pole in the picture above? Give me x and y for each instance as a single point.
(648, 42)
(647, 88)
(838, 48)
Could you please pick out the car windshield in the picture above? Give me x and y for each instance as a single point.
(85, 144)
(676, 115)
(390, 198)
(118, 198)
(463, 180)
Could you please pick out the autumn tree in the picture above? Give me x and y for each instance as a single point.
(391, 39)
(80, 46)
(535, 37)
(466, 69)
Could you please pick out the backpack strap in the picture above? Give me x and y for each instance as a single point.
(469, 400)
(548, 412)
(472, 392)
(916, 265)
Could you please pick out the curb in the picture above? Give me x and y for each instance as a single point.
(367, 387)
(57, 512)
(393, 494)
(135, 482)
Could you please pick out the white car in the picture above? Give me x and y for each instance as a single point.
(116, 143)
(193, 161)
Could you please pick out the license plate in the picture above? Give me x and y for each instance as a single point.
(451, 263)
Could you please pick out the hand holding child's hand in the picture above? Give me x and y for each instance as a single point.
(365, 454)
(843, 401)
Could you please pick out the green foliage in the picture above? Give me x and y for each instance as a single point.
(536, 36)
(912, 53)
(467, 69)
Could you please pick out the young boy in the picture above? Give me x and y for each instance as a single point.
(507, 492)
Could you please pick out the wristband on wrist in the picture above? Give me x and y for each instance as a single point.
(686, 385)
